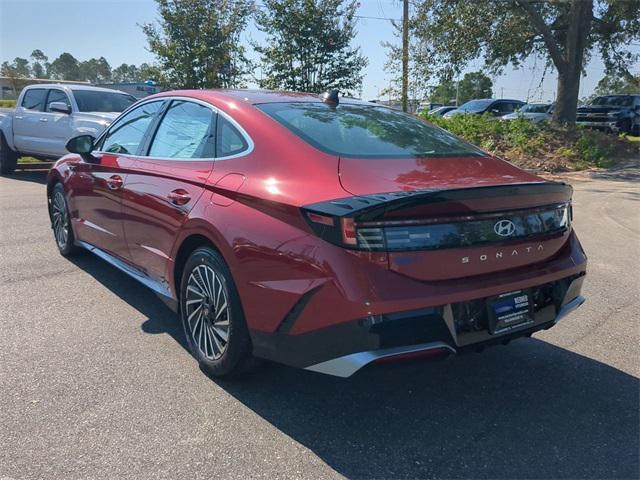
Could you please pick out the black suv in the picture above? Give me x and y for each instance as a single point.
(616, 113)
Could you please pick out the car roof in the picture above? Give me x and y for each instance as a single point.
(74, 86)
(254, 97)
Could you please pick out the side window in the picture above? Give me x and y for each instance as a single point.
(34, 99)
(229, 141)
(57, 96)
(126, 135)
(186, 131)
(504, 107)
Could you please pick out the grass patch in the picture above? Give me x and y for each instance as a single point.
(29, 160)
(541, 146)
(7, 103)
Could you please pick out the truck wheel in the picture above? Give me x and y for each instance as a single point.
(8, 158)
(625, 127)
(212, 316)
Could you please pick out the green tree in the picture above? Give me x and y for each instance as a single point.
(65, 67)
(474, 85)
(565, 33)
(39, 64)
(616, 84)
(444, 93)
(95, 70)
(419, 72)
(197, 42)
(19, 68)
(125, 73)
(308, 46)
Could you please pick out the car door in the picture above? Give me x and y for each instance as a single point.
(55, 126)
(167, 182)
(27, 124)
(97, 186)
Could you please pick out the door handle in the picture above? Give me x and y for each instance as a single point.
(43, 119)
(18, 117)
(179, 197)
(114, 182)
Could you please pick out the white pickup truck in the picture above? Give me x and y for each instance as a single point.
(46, 116)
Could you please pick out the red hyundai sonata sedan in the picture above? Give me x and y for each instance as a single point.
(320, 232)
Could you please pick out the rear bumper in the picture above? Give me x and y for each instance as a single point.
(343, 349)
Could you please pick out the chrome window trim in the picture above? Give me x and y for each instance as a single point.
(214, 109)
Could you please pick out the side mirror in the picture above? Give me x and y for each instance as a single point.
(59, 107)
(495, 111)
(83, 146)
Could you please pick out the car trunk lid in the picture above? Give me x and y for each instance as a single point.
(441, 219)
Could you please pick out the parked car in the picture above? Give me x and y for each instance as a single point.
(427, 107)
(48, 115)
(440, 111)
(320, 232)
(534, 112)
(497, 108)
(616, 113)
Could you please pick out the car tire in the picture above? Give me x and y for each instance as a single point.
(625, 127)
(61, 222)
(8, 158)
(212, 316)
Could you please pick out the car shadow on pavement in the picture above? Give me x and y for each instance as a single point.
(160, 318)
(526, 410)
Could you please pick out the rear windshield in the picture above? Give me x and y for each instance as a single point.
(95, 101)
(366, 131)
(475, 106)
(534, 108)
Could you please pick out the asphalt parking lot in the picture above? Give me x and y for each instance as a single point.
(95, 380)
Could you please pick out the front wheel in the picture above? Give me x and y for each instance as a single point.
(212, 315)
(8, 158)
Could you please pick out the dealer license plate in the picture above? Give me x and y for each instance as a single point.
(509, 311)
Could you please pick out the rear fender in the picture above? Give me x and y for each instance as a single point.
(6, 127)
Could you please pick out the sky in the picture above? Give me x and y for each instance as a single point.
(111, 28)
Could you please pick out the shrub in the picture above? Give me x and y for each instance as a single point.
(539, 146)
(7, 103)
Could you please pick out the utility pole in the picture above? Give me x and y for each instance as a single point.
(405, 54)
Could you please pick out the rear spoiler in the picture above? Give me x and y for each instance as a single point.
(376, 206)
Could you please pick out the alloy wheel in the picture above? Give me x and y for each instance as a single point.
(60, 220)
(207, 312)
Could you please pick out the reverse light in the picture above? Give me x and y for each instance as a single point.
(349, 235)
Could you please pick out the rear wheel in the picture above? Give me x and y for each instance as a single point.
(8, 158)
(61, 222)
(212, 315)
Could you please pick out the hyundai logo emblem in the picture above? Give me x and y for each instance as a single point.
(504, 228)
